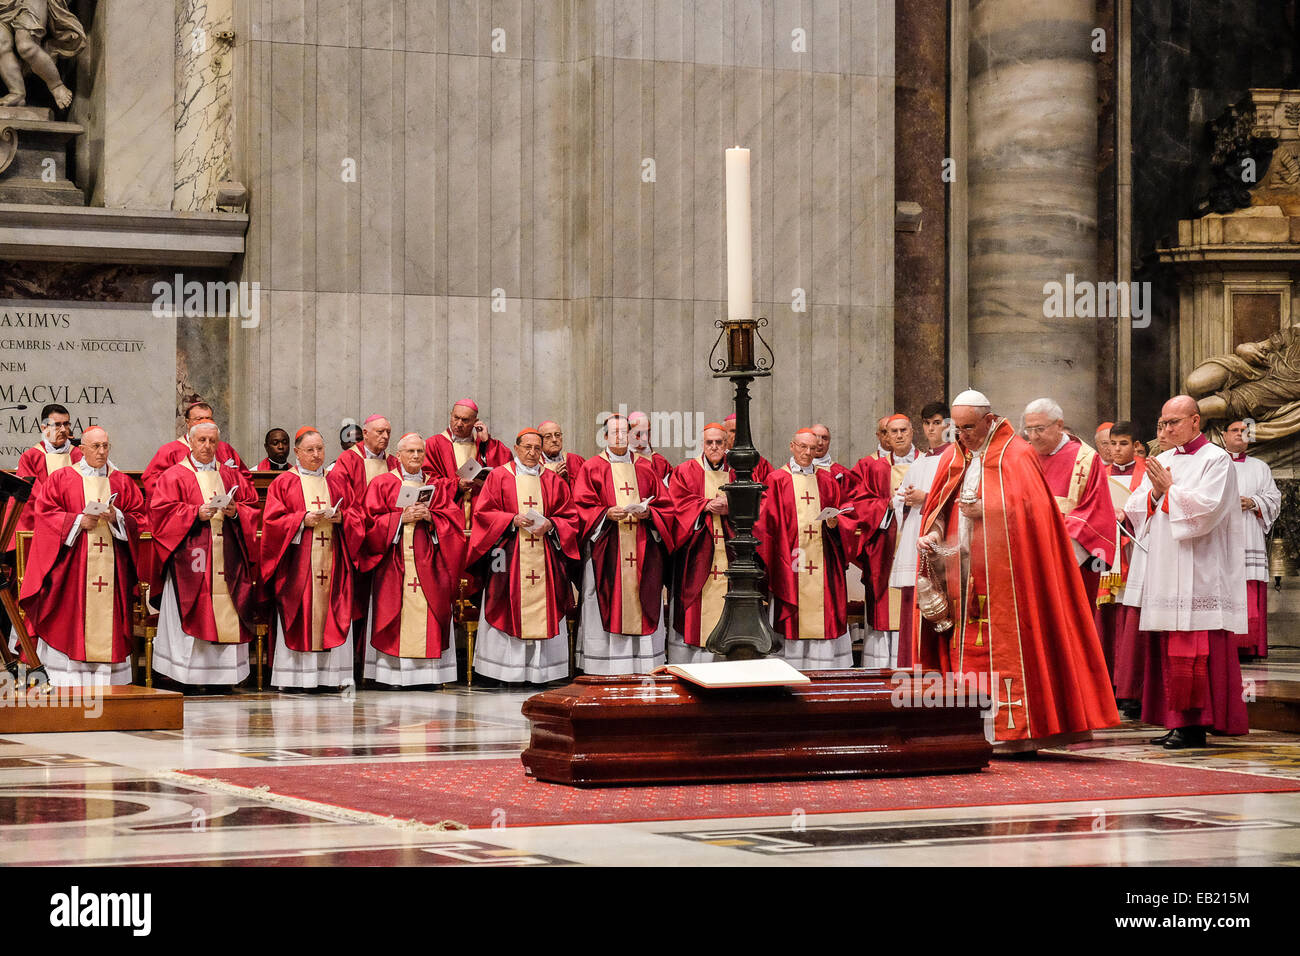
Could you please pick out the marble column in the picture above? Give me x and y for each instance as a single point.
(1033, 201)
(920, 258)
(204, 88)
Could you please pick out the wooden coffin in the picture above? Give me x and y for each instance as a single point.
(636, 729)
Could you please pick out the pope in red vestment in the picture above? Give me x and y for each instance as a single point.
(805, 560)
(525, 565)
(79, 583)
(699, 582)
(622, 629)
(417, 554)
(1023, 632)
(307, 567)
(207, 558)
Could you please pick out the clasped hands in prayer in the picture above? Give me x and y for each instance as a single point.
(1160, 477)
(414, 513)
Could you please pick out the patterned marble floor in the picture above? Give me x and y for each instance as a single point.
(104, 799)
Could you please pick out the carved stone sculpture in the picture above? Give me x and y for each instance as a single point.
(32, 34)
(1260, 381)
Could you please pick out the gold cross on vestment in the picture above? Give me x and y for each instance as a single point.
(981, 617)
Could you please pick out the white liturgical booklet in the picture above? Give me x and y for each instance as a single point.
(409, 495)
(640, 507)
(1119, 493)
(828, 513)
(96, 508)
(535, 519)
(471, 470)
(221, 501)
(329, 512)
(764, 672)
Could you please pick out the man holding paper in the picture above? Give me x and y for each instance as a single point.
(799, 532)
(463, 452)
(415, 545)
(525, 536)
(358, 466)
(627, 531)
(81, 572)
(700, 565)
(306, 566)
(203, 516)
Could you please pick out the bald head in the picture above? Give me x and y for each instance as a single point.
(1180, 421)
(94, 446)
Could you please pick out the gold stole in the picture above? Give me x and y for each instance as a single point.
(532, 562)
(55, 461)
(374, 466)
(414, 634)
(316, 493)
(715, 586)
(223, 608)
(629, 577)
(809, 569)
(99, 576)
(1078, 479)
(464, 451)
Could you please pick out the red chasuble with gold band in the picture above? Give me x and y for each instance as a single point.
(1077, 477)
(211, 562)
(805, 558)
(627, 561)
(871, 548)
(1021, 618)
(78, 597)
(357, 472)
(528, 594)
(310, 580)
(416, 572)
(444, 457)
(699, 571)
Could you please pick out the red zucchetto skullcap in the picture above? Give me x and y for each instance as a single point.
(900, 417)
(527, 431)
(721, 428)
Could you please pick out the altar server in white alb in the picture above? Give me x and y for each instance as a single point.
(1260, 503)
(1189, 578)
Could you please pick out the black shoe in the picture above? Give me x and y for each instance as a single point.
(1130, 709)
(1186, 737)
(1163, 739)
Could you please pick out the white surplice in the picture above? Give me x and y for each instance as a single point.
(920, 475)
(1255, 480)
(1191, 576)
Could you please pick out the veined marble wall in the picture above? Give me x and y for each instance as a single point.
(204, 92)
(414, 165)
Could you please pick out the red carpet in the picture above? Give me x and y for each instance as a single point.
(476, 792)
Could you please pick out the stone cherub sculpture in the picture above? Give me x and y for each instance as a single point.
(37, 31)
(1260, 381)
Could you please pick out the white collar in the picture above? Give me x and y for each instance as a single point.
(318, 473)
(709, 466)
(522, 469)
(1124, 468)
(459, 441)
(408, 476)
(625, 457)
(64, 449)
(89, 472)
(210, 466)
(795, 468)
(823, 462)
(1065, 440)
(882, 451)
(904, 459)
(370, 455)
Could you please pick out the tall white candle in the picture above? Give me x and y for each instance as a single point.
(740, 253)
